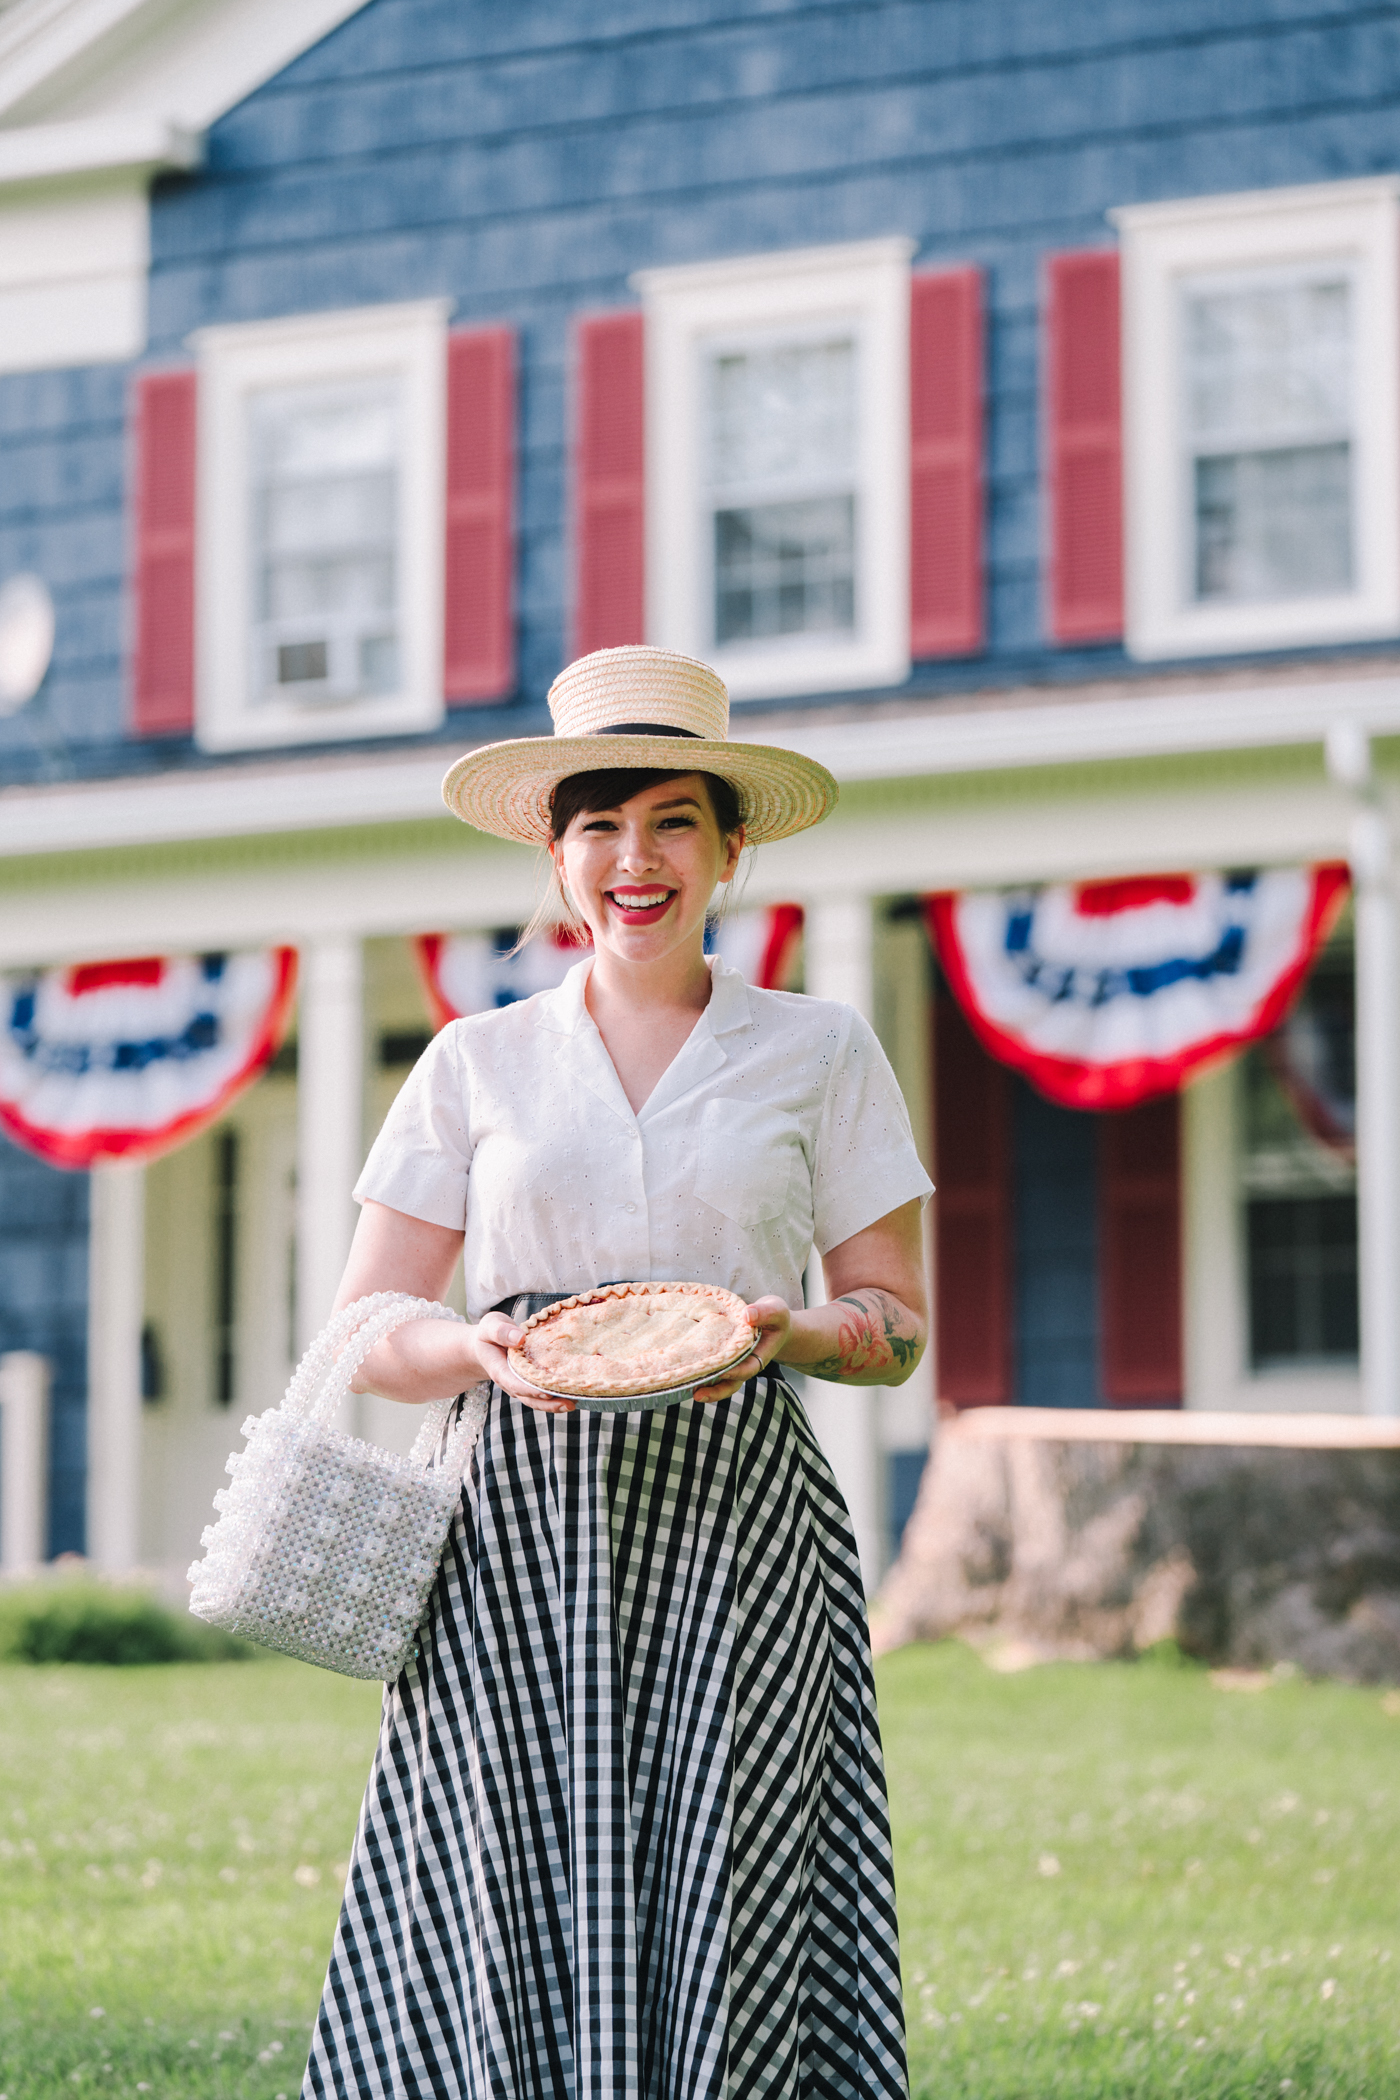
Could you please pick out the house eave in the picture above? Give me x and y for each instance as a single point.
(340, 792)
(94, 147)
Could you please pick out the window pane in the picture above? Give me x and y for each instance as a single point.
(325, 464)
(1274, 524)
(783, 417)
(1302, 1280)
(785, 568)
(1299, 1175)
(1269, 362)
(1268, 416)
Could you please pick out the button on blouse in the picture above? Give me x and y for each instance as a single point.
(779, 1125)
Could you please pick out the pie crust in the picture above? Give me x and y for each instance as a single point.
(630, 1338)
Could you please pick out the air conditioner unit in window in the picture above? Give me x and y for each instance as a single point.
(329, 663)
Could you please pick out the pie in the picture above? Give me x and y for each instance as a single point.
(633, 1338)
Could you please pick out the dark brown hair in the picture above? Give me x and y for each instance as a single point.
(582, 793)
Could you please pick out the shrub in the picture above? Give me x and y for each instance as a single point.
(76, 1619)
(1169, 1655)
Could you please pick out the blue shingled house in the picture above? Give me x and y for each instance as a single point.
(1005, 397)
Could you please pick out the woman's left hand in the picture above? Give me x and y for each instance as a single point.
(773, 1322)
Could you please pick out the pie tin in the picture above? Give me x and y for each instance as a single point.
(638, 1403)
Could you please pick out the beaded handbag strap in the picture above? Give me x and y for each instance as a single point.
(457, 1448)
(325, 1374)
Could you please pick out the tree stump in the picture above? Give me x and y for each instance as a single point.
(1251, 1540)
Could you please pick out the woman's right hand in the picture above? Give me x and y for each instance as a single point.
(495, 1333)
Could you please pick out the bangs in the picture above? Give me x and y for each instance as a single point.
(583, 794)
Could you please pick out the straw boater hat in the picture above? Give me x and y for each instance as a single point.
(635, 707)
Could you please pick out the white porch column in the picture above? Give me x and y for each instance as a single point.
(1214, 1291)
(839, 951)
(24, 1455)
(330, 1096)
(1370, 852)
(116, 1288)
(1377, 1112)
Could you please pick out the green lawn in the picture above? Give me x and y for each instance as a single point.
(172, 1846)
(1114, 1881)
(1117, 1880)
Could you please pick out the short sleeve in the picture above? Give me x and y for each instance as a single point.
(866, 1163)
(421, 1158)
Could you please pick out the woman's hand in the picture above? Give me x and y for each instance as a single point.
(495, 1333)
(773, 1323)
(430, 1359)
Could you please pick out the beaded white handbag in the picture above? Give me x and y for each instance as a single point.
(326, 1547)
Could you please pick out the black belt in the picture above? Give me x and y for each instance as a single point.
(522, 1305)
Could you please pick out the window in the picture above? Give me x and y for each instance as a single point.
(1261, 357)
(324, 484)
(1300, 1180)
(781, 430)
(321, 523)
(778, 464)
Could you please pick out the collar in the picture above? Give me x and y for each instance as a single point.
(729, 1006)
(563, 1009)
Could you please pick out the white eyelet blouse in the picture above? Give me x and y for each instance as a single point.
(778, 1126)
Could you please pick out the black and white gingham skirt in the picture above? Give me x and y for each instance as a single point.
(625, 1836)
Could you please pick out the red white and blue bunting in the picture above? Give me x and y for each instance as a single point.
(127, 1060)
(764, 946)
(1106, 993)
(469, 973)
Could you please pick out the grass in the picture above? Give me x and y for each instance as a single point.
(1114, 1880)
(1117, 1883)
(172, 1850)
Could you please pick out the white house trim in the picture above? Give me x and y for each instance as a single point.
(188, 62)
(1229, 207)
(357, 886)
(74, 262)
(96, 145)
(246, 801)
(1356, 224)
(1081, 732)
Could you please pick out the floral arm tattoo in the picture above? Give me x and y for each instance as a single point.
(877, 1334)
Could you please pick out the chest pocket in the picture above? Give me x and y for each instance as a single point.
(749, 1154)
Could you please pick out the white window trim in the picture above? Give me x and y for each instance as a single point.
(234, 361)
(1355, 222)
(866, 283)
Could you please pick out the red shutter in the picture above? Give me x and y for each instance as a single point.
(1084, 447)
(945, 459)
(478, 618)
(972, 1167)
(1140, 1254)
(609, 495)
(164, 527)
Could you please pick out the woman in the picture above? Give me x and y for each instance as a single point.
(625, 1837)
